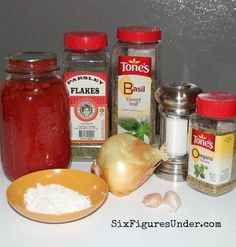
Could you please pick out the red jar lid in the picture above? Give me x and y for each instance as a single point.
(138, 34)
(85, 40)
(31, 62)
(216, 105)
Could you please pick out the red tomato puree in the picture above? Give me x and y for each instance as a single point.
(34, 125)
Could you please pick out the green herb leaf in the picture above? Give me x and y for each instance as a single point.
(139, 135)
(134, 127)
(202, 175)
(144, 127)
(199, 170)
(130, 124)
(196, 170)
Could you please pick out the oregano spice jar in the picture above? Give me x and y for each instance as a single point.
(212, 149)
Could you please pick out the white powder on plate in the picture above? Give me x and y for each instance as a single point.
(54, 199)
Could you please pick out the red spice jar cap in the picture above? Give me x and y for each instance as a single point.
(138, 34)
(216, 105)
(85, 40)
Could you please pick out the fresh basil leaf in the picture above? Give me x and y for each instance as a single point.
(128, 123)
(144, 128)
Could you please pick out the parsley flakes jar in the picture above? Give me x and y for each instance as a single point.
(86, 75)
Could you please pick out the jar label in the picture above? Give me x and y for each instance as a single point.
(134, 96)
(88, 106)
(211, 157)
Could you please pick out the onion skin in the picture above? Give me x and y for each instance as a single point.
(126, 162)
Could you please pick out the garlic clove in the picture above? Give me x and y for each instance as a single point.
(152, 200)
(172, 199)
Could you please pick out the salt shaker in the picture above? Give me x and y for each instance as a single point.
(176, 105)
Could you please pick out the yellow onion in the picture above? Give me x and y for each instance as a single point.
(126, 162)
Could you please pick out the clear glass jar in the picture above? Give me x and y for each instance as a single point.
(212, 151)
(86, 67)
(135, 77)
(34, 115)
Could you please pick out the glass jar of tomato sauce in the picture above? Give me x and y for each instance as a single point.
(34, 117)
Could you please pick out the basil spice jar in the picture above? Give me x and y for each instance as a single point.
(135, 77)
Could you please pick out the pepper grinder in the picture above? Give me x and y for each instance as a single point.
(176, 105)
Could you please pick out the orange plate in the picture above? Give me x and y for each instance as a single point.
(83, 182)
